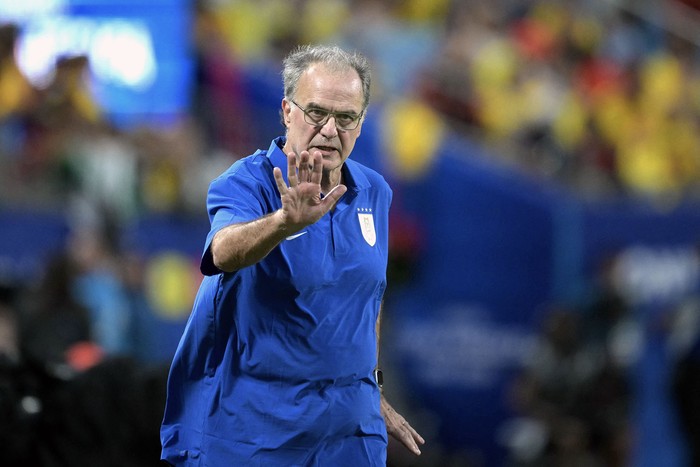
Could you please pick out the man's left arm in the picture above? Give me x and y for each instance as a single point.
(397, 426)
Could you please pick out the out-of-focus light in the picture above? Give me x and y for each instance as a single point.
(20, 11)
(120, 52)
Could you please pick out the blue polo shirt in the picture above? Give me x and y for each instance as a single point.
(275, 365)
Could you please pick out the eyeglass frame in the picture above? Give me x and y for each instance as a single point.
(309, 120)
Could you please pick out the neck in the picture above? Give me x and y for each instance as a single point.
(331, 180)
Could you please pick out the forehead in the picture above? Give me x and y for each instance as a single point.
(330, 87)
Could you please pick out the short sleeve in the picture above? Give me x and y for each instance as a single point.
(233, 198)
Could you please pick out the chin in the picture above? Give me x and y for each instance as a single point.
(332, 161)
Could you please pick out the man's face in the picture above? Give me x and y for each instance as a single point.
(322, 89)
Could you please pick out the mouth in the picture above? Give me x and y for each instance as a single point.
(324, 150)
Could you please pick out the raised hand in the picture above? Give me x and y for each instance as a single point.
(302, 203)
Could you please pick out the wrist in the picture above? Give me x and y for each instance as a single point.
(283, 223)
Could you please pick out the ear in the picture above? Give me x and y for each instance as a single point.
(286, 109)
(359, 128)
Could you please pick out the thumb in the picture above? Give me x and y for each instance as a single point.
(331, 199)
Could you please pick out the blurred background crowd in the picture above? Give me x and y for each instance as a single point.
(599, 98)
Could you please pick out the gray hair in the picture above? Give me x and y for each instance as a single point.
(299, 60)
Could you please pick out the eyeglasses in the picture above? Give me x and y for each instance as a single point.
(319, 117)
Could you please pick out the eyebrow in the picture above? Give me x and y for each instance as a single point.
(313, 105)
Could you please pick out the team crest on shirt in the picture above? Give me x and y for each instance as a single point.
(364, 215)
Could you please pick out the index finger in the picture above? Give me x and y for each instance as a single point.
(416, 436)
(281, 186)
(411, 439)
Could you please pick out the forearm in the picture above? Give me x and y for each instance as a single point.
(240, 245)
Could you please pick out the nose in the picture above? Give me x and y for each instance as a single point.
(329, 130)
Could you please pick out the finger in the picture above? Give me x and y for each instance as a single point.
(416, 436)
(292, 170)
(317, 171)
(408, 441)
(281, 185)
(304, 167)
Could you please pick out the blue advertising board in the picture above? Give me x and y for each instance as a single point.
(138, 51)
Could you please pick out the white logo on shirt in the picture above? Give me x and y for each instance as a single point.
(296, 235)
(364, 215)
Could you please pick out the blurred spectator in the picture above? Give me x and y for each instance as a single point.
(586, 94)
(17, 95)
(9, 324)
(55, 320)
(219, 103)
(171, 167)
(64, 117)
(17, 101)
(612, 332)
(396, 63)
(106, 416)
(20, 385)
(97, 285)
(685, 340)
(66, 110)
(571, 401)
(62, 402)
(561, 363)
(67, 100)
(609, 324)
(100, 170)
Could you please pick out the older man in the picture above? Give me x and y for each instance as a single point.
(277, 364)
